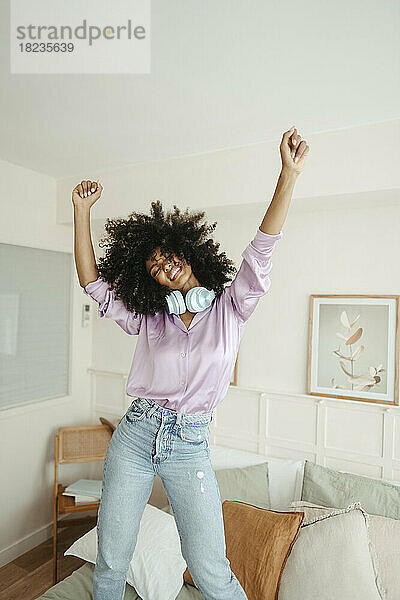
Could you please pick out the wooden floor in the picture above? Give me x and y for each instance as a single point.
(31, 574)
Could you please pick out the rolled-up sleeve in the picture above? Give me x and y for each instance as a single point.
(111, 307)
(252, 279)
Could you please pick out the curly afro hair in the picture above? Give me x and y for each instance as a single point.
(130, 242)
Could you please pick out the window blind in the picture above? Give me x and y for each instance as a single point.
(35, 303)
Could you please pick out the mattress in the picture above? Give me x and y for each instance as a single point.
(78, 586)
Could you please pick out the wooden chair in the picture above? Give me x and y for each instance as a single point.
(75, 445)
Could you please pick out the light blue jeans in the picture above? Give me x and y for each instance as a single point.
(151, 440)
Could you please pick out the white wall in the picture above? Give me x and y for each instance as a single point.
(354, 160)
(27, 432)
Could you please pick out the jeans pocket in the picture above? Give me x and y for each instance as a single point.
(194, 433)
(135, 413)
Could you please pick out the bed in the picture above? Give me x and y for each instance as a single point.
(290, 485)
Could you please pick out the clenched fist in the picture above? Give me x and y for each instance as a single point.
(86, 193)
(293, 151)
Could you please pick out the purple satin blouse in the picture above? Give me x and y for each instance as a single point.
(189, 369)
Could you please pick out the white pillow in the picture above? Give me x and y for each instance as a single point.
(385, 538)
(285, 475)
(331, 559)
(157, 566)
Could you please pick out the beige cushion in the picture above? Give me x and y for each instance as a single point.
(331, 560)
(258, 543)
(384, 534)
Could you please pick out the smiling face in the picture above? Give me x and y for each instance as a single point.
(170, 271)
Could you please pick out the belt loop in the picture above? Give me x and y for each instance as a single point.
(151, 410)
(178, 418)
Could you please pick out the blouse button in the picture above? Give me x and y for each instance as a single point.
(183, 353)
(182, 383)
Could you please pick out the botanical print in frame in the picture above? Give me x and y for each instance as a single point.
(353, 349)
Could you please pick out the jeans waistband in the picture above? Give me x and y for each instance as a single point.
(153, 407)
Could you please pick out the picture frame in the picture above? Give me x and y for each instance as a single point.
(353, 347)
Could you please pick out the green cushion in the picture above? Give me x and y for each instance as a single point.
(331, 488)
(247, 484)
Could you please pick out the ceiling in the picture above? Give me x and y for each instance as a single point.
(225, 73)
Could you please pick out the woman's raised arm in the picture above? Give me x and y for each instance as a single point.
(293, 156)
(252, 280)
(84, 195)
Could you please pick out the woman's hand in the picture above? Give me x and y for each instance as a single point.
(293, 151)
(86, 193)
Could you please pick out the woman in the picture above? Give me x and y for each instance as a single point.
(161, 278)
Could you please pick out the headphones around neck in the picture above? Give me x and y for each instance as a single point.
(197, 299)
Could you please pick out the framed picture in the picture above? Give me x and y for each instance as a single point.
(353, 349)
